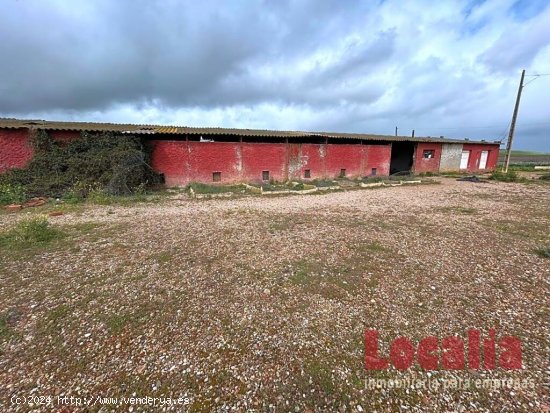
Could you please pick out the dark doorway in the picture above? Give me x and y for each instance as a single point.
(401, 157)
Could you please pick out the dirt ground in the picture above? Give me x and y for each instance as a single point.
(260, 304)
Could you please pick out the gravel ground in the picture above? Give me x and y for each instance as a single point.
(260, 304)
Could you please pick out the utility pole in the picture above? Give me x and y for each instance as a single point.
(396, 131)
(513, 124)
(412, 136)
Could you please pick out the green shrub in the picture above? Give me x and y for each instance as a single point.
(372, 179)
(72, 198)
(510, 176)
(281, 186)
(117, 165)
(268, 187)
(100, 197)
(11, 194)
(323, 183)
(33, 231)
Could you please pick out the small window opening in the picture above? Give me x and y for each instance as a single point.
(265, 175)
(373, 172)
(428, 154)
(342, 173)
(216, 176)
(307, 173)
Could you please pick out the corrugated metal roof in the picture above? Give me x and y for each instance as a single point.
(186, 130)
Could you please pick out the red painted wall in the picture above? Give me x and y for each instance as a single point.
(182, 162)
(313, 157)
(346, 157)
(208, 157)
(294, 160)
(259, 157)
(475, 155)
(427, 165)
(15, 149)
(377, 156)
(326, 161)
(171, 159)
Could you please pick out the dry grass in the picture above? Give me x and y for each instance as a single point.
(255, 303)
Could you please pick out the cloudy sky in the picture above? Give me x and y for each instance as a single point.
(440, 67)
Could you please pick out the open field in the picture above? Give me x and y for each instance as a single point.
(525, 158)
(260, 303)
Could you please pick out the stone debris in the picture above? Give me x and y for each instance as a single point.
(33, 202)
(14, 208)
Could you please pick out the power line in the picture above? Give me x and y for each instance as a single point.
(502, 136)
(511, 125)
(535, 77)
(532, 80)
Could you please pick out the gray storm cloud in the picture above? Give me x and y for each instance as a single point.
(128, 51)
(332, 65)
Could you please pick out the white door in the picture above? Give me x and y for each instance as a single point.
(464, 159)
(483, 159)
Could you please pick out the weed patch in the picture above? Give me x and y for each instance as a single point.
(163, 257)
(323, 183)
(200, 188)
(320, 375)
(11, 194)
(35, 231)
(526, 229)
(458, 210)
(272, 187)
(543, 252)
(99, 197)
(510, 176)
(58, 313)
(116, 323)
(332, 282)
(302, 272)
(275, 226)
(85, 227)
(292, 185)
(373, 247)
(5, 330)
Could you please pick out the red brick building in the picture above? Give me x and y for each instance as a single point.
(184, 154)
